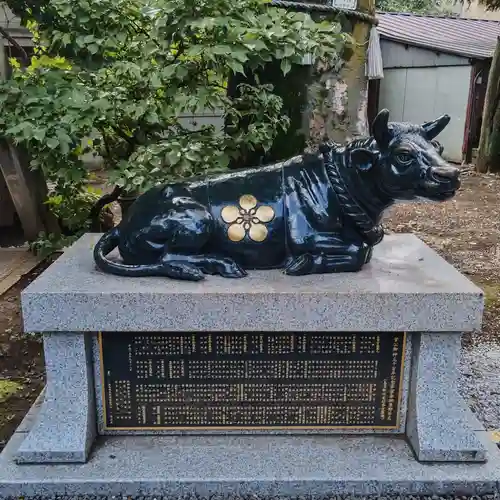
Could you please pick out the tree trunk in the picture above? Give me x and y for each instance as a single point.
(339, 101)
(488, 158)
(28, 192)
(27, 188)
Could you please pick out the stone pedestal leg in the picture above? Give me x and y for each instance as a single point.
(440, 427)
(65, 428)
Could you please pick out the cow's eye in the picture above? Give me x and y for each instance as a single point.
(404, 159)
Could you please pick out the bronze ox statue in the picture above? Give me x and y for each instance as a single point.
(314, 213)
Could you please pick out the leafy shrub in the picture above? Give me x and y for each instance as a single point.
(72, 213)
(115, 77)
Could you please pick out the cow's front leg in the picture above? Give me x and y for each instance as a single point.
(351, 259)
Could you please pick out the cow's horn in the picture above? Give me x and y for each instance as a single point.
(380, 129)
(434, 128)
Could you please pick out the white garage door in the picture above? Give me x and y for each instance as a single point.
(421, 94)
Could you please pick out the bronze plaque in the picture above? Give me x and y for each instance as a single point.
(251, 380)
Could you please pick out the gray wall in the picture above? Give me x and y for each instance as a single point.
(420, 85)
(7, 19)
(13, 25)
(398, 55)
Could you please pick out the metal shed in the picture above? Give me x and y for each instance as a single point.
(435, 65)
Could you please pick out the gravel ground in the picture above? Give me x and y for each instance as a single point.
(480, 382)
(466, 232)
(254, 497)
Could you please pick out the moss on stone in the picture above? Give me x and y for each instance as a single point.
(491, 293)
(8, 388)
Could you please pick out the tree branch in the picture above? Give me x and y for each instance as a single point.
(123, 135)
(106, 144)
(100, 204)
(14, 42)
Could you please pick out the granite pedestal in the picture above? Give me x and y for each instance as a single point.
(437, 445)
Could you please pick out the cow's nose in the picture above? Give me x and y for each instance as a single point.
(445, 174)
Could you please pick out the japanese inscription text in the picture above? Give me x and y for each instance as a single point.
(251, 380)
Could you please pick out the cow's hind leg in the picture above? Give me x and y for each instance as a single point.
(207, 264)
(351, 260)
(172, 244)
(189, 232)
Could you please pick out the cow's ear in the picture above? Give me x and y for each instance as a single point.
(439, 147)
(380, 128)
(363, 158)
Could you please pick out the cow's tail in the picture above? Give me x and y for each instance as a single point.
(109, 242)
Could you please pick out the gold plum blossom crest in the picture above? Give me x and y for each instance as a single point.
(247, 219)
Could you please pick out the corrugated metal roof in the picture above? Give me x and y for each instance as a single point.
(474, 38)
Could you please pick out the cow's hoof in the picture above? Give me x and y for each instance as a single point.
(232, 270)
(303, 264)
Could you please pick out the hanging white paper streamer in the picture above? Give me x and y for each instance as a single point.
(374, 63)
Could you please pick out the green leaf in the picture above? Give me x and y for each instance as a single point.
(52, 143)
(66, 39)
(181, 71)
(13, 131)
(153, 117)
(39, 134)
(63, 137)
(223, 160)
(155, 81)
(121, 37)
(150, 48)
(102, 104)
(28, 131)
(221, 49)
(240, 55)
(194, 51)
(256, 45)
(169, 71)
(192, 156)
(286, 66)
(236, 67)
(173, 157)
(93, 48)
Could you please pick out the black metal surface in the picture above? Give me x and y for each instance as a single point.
(250, 380)
(316, 213)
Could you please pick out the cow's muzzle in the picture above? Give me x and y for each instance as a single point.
(441, 183)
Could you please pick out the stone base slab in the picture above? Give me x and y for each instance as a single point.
(406, 287)
(261, 465)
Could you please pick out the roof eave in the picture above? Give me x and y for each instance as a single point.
(421, 45)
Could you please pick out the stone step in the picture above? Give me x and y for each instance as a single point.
(267, 466)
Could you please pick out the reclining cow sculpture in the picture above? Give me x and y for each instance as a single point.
(315, 213)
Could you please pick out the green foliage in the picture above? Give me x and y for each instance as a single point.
(115, 77)
(48, 244)
(491, 4)
(415, 6)
(8, 388)
(72, 211)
